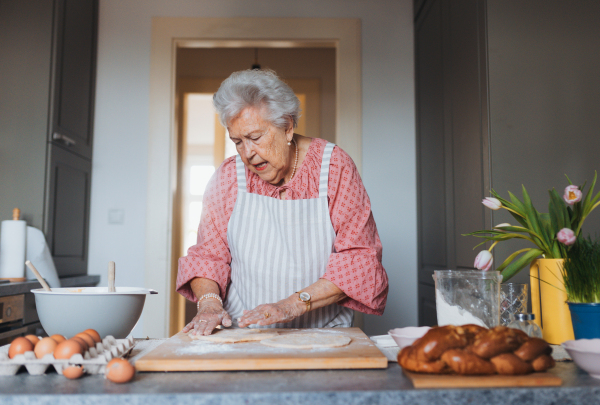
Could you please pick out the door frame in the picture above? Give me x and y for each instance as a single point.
(170, 33)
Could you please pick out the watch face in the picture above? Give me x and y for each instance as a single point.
(304, 296)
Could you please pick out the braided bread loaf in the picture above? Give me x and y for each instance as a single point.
(473, 350)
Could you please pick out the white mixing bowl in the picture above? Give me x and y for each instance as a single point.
(68, 311)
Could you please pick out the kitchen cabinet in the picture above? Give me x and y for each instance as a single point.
(47, 82)
(506, 94)
(73, 100)
(68, 211)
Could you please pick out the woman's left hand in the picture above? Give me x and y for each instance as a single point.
(267, 314)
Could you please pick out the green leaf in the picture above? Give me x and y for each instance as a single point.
(533, 221)
(516, 202)
(569, 180)
(510, 259)
(507, 205)
(586, 201)
(558, 212)
(586, 206)
(518, 264)
(556, 251)
(519, 229)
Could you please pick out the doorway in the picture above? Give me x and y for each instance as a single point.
(172, 33)
(202, 141)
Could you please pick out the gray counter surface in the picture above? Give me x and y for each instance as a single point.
(388, 386)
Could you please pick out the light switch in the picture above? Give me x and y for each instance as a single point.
(116, 216)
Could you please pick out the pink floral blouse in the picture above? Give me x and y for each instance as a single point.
(355, 267)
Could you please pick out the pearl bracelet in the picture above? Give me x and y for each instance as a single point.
(206, 296)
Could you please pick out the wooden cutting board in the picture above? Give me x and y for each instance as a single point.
(180, 353)
(482, 381)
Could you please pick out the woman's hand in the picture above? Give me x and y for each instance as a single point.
(210, 315)
(279, 312)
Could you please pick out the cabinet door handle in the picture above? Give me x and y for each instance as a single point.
(60, 137)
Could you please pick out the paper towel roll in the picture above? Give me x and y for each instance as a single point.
(39, 254)
(13, 242)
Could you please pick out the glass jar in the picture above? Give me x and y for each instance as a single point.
(467, 297)
(525, 322)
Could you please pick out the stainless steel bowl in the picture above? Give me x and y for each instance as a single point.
(68, 311)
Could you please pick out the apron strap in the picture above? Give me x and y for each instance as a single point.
(241, 173)
(324, 177)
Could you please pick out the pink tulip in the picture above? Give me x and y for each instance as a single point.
(572, 195)
(492, 203)
(566, 236)
(484, 260)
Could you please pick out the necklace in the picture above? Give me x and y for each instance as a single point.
(296, 161)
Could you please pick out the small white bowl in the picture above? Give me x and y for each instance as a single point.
(406, 336)
(586, 354)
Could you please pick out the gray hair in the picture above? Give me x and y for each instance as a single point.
(256, 88)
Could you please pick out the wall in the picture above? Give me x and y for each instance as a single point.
(544, 95)
(121, 131)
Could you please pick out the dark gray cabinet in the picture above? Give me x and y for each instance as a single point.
(73, 101)
(507, 93)
(47, 82)
(68, 211)
(451, 139)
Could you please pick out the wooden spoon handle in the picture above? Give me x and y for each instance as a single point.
(111, 277)
(38, 275)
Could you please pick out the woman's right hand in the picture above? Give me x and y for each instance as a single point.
(210, 315)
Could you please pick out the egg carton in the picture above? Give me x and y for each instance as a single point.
(93, 361)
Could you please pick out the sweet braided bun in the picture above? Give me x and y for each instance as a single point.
(473, 350)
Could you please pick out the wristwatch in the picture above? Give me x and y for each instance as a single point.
(304, 297)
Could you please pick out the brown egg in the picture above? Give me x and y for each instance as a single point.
(33, 339)
(44, 346)
(73, 372)
(58, 338)
(88, 339)
(95, 335)
(66, 349)
(19, 346)
(82, 342)
(119, 370)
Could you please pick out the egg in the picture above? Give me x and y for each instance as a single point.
(119, 370)
(19, 346)
(82, 342)
(58, 338)
(44, 346)
(88, 339)
(66, 349)
(73, 372)
(95, 335)
(33, 339)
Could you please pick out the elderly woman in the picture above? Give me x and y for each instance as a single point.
(287, 237)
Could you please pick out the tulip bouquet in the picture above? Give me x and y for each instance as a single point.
(552, 233)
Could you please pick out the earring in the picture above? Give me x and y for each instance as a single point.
(289, 144)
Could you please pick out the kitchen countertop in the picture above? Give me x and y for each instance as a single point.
(386, 386)
(27, 286)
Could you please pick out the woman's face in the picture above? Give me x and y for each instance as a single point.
(262, 146)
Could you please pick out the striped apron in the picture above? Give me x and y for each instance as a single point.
(279, 247)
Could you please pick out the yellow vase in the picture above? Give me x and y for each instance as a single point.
(549, 300)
